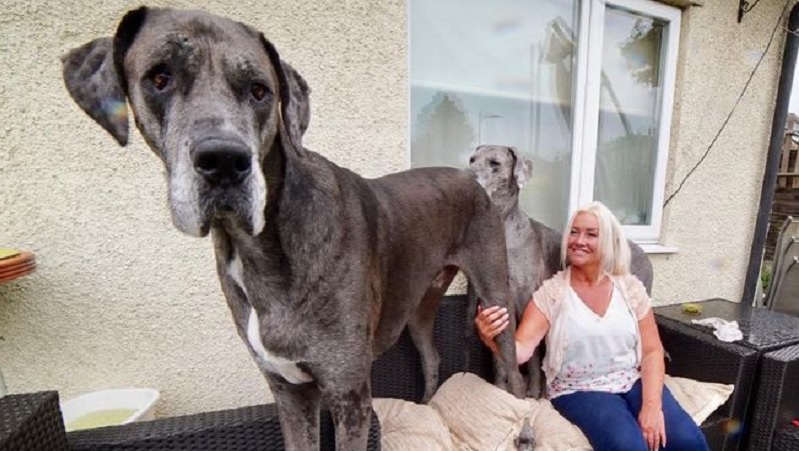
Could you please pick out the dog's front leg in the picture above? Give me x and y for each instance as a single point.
(298, 408)
(535, 377)
(351, 407)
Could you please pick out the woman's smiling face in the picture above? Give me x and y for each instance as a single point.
(583, 244)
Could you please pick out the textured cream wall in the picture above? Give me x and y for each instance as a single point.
(122, 299)
(711, 220)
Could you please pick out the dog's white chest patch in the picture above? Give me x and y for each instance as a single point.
(286, 368)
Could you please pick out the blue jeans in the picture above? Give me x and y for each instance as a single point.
(610, 420)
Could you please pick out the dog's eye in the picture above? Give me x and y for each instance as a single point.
(161, 80)
(493, 163)
(258, 91)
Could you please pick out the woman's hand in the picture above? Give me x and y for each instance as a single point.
(491, 322)
(653, 426)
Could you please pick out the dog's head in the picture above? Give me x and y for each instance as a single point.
(210, 96)
(500, 170)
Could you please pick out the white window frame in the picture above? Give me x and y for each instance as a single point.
(586, 102)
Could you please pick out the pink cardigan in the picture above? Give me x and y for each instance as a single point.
(549, 298)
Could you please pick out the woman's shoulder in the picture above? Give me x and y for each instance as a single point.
(546, 297)
(634, 292)
(630, 283)
(555, 287)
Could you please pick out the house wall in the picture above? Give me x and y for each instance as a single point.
(712, 218)
(121, 298)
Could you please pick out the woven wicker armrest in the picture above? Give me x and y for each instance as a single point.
(697, 355)
(776, 403)
(243, 429)
(31, 422)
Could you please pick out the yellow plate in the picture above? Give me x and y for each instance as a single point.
(8, 253)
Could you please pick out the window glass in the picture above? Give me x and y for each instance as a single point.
(629, 118)
(583, 88)
(498, 72)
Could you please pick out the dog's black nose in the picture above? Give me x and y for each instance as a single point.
(221, 163)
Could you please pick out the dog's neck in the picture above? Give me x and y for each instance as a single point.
(507, 201)
(295, 188)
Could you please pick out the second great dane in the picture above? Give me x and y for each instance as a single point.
(321, 268)
(534, 249)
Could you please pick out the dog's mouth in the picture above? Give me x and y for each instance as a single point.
(196, 209)
(217, 180)
(231, 203)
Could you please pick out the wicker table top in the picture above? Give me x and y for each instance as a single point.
(762, 329)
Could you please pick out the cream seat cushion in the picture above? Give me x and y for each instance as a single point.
(699, 399)
(468, 413)
(482, 417)
(409, 426)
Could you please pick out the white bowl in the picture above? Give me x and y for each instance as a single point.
(138, 402)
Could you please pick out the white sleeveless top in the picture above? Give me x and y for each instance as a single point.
(601, 350)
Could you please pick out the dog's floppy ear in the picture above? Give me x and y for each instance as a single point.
(300, 96)
(92, 81)
(295, 112)
(522, 167)
(93, 76)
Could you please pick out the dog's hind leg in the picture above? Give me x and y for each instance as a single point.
(421, 325)
(485, 263)
(489, 292)
(298, 405)
(469, 331)
(492, 289)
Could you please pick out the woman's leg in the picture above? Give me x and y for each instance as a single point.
(604, 418)
(681, 431)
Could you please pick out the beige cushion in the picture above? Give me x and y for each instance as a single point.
(408, 426)
(699, 399)
(468, 413)
(481, 417)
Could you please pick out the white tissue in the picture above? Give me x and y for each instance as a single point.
(723, 330)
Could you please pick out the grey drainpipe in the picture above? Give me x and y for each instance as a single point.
(773, 158)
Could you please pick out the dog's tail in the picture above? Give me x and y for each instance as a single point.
(525, 441)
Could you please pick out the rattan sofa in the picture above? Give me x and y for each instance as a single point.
(691, 354)
(398, 374)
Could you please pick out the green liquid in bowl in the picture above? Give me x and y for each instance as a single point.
(100, 418)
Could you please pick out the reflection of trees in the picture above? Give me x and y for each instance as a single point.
(558, 50)
(641, 50)
(443, 131)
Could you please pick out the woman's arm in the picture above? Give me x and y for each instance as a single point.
(532, 328)
(652, 375)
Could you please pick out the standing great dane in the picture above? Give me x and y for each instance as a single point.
(321, 268)
(534, 250)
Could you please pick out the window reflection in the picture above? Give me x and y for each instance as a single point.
(629, 115)
(496, 73)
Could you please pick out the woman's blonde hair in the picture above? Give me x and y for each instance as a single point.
(614, 250)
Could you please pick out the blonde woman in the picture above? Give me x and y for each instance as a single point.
(604, 360)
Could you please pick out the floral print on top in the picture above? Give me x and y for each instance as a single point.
(600, 352)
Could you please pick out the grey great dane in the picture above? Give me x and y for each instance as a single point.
(534, 249)
(321, 268)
